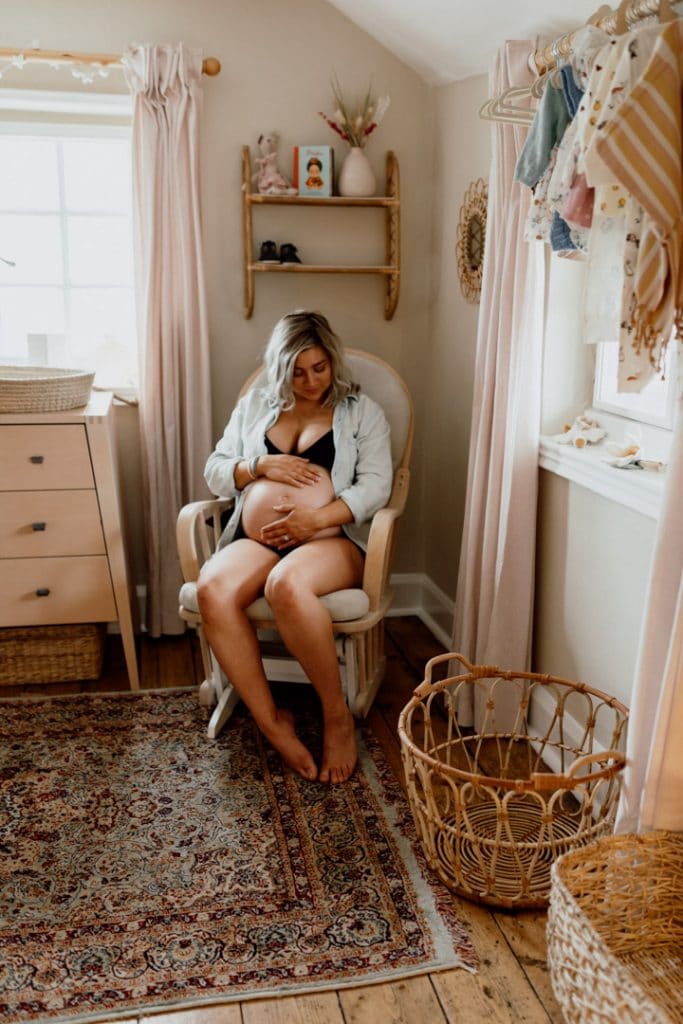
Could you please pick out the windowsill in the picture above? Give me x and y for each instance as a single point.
(638, 489)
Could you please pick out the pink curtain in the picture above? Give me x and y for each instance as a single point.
(653, 782)
(494, 600)
(175, 427)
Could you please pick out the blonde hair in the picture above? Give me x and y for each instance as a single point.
(295, 333)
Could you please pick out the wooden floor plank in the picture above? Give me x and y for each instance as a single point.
(226, 1013)
(402, 1002)
(176, 662)
(500, 992)
(316, 1008)
(414, 640)
(525, 933)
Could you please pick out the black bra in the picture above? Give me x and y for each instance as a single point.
(321, 452)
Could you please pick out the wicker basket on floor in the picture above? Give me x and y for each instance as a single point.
(43, 388)
(495, 807)
(51, 654)
(615, 931)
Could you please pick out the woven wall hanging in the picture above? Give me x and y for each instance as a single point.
(471, 239)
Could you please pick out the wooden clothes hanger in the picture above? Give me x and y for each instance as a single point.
(503, 108)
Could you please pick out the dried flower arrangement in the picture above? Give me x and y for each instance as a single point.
(355, 128)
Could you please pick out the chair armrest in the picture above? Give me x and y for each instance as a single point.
(379, 554)
(399, 492)
(196, 537)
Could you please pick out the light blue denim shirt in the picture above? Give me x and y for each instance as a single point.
(361, 474)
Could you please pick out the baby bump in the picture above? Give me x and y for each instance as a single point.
(263, 494)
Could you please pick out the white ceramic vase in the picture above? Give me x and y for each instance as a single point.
(356, 177)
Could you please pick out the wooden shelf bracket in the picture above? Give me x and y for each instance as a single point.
(390, 202)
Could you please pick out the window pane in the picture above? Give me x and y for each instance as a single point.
(24, 311)
(72, 284)
(651, 405)
(100, 250)
(28, 174)
(97, 174)
(103, 334)
(34, 243)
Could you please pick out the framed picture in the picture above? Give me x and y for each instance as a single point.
(314, 170)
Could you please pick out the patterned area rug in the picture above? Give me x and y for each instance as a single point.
(143, 866)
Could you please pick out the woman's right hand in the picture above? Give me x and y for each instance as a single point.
(288, 469)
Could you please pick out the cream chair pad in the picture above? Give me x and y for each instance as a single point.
(343, 605)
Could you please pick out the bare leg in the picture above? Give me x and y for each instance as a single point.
(293, 589)
(227, 585)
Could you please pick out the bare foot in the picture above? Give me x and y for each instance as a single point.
(282, 736)
(339, 747)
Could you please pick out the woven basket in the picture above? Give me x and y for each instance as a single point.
(615, 931)
(51, 654)
(43, 388)
(495, 808)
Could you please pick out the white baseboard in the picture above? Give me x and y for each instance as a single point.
(417, 594)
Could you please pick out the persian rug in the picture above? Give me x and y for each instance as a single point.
(144, 867)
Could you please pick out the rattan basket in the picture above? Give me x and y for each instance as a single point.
(51, 654)
(43, 388)
(495, 807)
(615, 931)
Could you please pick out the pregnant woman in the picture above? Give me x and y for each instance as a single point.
(307, 459)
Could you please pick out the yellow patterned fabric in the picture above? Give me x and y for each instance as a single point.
(643, 147)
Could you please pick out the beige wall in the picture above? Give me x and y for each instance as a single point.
(277, 57)
(593, 563)
(461, 154)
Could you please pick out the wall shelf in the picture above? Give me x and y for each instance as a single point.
(391, 203)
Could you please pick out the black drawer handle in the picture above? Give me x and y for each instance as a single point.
(42, 591)
(37, 459)
(38, 527)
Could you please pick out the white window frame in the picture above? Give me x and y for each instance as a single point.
(622, 405)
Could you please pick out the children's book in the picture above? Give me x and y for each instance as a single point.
(314, 170)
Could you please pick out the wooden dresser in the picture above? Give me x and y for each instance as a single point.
(62, 553)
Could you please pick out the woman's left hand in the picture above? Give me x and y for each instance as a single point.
(296, 526)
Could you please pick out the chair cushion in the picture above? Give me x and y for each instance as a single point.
(343, 605)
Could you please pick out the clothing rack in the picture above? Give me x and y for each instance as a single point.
(613, 22)
(210, 66)
(512, 107)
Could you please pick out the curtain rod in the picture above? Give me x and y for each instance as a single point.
(613, 22)
(210, 66)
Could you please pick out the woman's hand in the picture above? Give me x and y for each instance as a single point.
(288, 469)
(297, 526)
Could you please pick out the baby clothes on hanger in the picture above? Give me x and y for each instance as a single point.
(586, 44)
(537, 159)
(572, 92)
(548, 127)
(615, 245)
(604, 280)
(653, 173)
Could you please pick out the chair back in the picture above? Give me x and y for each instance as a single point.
(382, 383)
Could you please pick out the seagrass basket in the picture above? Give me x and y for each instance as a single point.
(615, 931)
(43, 388)
(495, 806)
(51, 654)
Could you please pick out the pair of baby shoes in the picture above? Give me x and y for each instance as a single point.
(269, 254)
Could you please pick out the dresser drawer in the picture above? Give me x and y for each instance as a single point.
(44, 457)
(79, 590)
(37, 523)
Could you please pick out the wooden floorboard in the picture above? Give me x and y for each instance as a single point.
(512, 983)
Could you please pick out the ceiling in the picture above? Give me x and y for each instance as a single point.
(446, 40)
